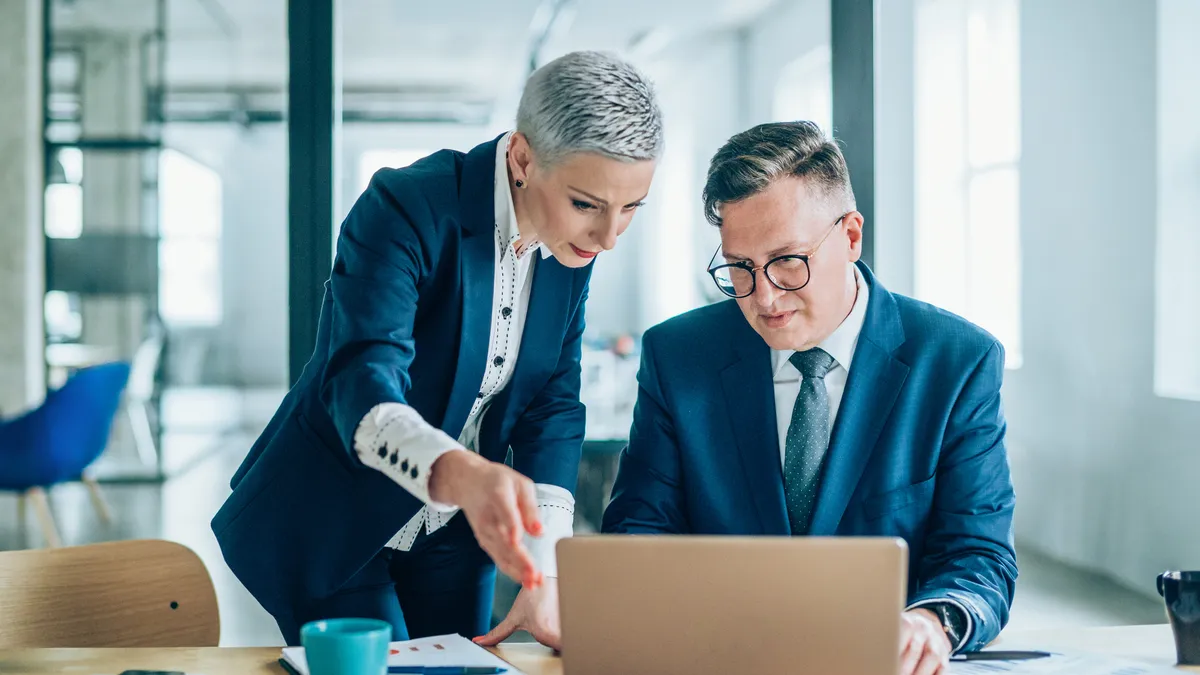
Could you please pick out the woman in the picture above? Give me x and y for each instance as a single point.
(450, 332)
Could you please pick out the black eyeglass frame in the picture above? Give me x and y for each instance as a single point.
(804, 257)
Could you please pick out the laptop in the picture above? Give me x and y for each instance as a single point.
(697, 605)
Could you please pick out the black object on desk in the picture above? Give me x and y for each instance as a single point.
(1181, 591)
(999, 655)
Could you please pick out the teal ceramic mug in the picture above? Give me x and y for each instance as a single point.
(346, 646)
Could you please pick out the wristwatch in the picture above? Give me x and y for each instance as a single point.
(952, 620)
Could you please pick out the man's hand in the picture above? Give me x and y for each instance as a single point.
(924, 647)
(535, 611)
(500, 505)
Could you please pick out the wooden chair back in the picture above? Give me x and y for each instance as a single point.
(142, 593)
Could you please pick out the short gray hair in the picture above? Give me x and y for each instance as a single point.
(749, 162)
(590, 102)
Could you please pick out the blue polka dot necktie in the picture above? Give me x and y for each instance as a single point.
(807, 437)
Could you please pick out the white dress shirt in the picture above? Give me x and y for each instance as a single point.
(400, 426)
(840, 345)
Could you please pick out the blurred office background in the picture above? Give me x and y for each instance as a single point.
(172, 173)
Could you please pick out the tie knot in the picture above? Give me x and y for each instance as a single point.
(815, 362)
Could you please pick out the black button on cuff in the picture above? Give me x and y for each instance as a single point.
(394, 458)
(382, 451)
(498, 361)
(404, 465)
(479, 395)
(414, 473)
(506, 312)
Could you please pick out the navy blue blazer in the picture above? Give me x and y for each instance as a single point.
(406, 318)
(917, 449)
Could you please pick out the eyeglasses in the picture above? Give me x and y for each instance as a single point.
(787, 272)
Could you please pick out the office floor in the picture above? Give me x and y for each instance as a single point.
(1049, 594)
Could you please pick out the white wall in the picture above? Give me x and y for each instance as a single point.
(1105, 471)
(698, 86)
(788, 31)
(1177, 371)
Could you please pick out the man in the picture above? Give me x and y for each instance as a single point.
(818, 403)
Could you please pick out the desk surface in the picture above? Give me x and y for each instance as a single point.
(532, 659)
(1147, 644)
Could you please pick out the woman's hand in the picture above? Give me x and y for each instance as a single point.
(536, 611)
(500, 505)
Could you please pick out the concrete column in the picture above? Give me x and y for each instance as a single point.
(113, 105)
(22, 271)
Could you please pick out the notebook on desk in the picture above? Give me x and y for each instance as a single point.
(440, 651)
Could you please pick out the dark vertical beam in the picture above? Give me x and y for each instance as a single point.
(312, 118)
(852, 42)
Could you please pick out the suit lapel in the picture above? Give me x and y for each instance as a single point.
(750, 399)
(871, 390)
(477, 264)
(546, 320)
(872, 387)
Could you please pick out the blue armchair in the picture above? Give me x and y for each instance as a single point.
(57, 441)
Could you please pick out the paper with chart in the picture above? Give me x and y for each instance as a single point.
(443, 650)
(1075, 664)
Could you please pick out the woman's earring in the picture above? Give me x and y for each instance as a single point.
(519, 183)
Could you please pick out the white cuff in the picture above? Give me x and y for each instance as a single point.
(970, 624)
(394, 439)
(556, 509)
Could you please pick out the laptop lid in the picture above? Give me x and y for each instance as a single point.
(682, 604)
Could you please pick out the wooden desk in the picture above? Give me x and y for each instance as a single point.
(1153, 645)
(532, 659)
(1146, 644)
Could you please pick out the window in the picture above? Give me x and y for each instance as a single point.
(373, 160)
(805, 90)
(64, 195)
(968, 145)
(1177, 277)
(64, 316)
(190, 248)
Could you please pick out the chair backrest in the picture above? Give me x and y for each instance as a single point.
(144, 593)
(59, 439)
(145, 366)
(88, 401)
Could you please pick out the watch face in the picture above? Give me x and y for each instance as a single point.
(946, 615)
